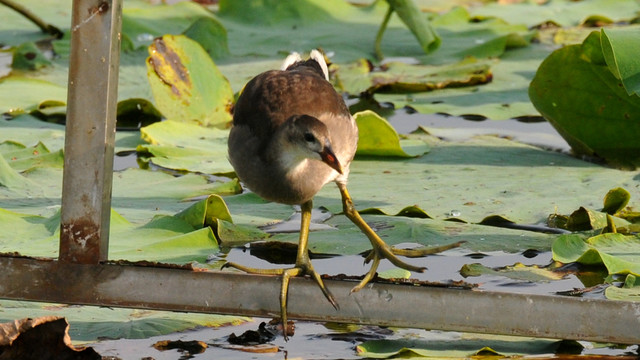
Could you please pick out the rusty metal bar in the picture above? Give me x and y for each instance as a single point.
(380, 304)
(90, 130)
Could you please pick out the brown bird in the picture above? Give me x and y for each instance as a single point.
(292, 134)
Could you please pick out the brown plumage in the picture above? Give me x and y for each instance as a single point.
(292, 134)
(275, 112)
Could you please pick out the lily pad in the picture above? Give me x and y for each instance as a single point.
(142, 22)
(186, 84)
(187, 146)
(587, 104)
(616, 200)
(87, 323)
(22, 158)
(463, 36)
(20, 95)
(503, 98)
(345, 31)
(396, 230)
(619, 253)
(272, 12)
(395, 77)
(564, 13)
(164, 238)
(378, 138)
(629, 291)
(17, 29)
(613, 215)
(617, 45)
(623, 294)
(463, 346)
(518, 272)
(27, 56)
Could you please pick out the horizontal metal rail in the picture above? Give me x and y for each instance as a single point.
(424, 307)
(79, 278)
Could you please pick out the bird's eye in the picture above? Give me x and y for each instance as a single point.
(308, 137)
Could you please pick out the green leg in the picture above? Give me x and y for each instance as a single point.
(380, 249)
(302, 267)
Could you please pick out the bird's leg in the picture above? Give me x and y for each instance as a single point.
(302, 267)
(380, 249)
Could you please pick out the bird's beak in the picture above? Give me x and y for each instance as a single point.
(330, 159)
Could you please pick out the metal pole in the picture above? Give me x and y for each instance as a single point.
(383, 304)
(90, 130)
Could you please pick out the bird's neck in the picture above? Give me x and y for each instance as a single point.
(288, 159)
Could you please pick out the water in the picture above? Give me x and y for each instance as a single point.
(324, 341)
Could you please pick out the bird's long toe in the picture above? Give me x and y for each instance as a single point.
(302, 268)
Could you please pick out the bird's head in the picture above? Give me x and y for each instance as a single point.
(308, 137)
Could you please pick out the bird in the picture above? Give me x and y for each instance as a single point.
(291, 134)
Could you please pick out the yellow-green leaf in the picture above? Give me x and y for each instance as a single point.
(186, 84)
(378, 138)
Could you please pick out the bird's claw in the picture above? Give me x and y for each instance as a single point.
(300, 269)
(383, 251)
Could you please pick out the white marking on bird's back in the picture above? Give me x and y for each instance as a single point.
(293, 58)
(319, 58)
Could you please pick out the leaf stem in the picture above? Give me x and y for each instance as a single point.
(383, 27)
(46, 28)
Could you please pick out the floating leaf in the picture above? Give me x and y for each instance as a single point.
(623, 294)
(139, 194)
(211, 35)
(463, 37)
(619, 253)
(395, 273)
(588, 106)
(30, 235)
(268, 12)
(516, 272)
(462, 346)
(27, 56)
(135, 113)
(396, 77)
(584, 219)
(630, 290)
(617, 47)
(206, 212)
(187, 146)
(142, 22)
(22, 158)
(378, 138)
(616, 200)
(20, 95)
(230, 234)
(186, 84)
(164, 238)
(564, 13)
(409, 211)
(87, 323)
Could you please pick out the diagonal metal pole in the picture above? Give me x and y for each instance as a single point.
(90, 130)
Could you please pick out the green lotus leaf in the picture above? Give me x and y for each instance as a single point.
(186, 84)
(588, 105)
